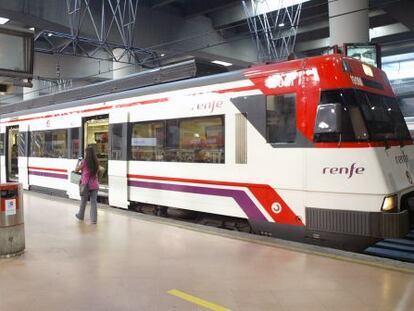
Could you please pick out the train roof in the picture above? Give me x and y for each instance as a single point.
(162, 79)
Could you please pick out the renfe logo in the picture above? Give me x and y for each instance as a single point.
(347, 171)
(209, 106)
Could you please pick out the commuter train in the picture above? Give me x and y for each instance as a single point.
(312, 149)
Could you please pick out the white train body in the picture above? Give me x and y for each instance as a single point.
(331, 191)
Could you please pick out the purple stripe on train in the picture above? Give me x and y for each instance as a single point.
(46, 174)
(245, 203)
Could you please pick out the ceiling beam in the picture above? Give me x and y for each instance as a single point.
(403, 12)
(209, 7)
(234, 12)
(162, 3)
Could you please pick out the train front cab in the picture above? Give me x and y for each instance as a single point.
(359, 186)
(357, 154)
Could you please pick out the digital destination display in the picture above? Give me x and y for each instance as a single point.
(366, 53)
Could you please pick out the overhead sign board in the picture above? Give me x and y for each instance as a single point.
(16, 52)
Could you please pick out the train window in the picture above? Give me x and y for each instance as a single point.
(49, 144)
(172, 141)
(350, 125)
(201, 140)
(22, 144)
(37, 140)
(358, 124)
(179, 140)
(383, 116)
(117, 141)
(2, 144)
(364, 116)
(147, 141)
(59, 144)
(344, 125)
(281, 118)
(74, 143)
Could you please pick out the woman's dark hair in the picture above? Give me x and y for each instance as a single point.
(91, 161)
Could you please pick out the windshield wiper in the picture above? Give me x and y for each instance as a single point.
(387, 146)
(400, 134)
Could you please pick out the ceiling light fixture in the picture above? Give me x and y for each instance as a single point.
(219, 62)
(162, 55)
(3, 20)
(281, 24)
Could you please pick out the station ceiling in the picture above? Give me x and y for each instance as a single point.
(391, 21)
(192, 7)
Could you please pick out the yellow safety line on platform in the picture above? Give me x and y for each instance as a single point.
(198, 301)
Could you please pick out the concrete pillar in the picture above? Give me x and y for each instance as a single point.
(122, 69)
(348, 21)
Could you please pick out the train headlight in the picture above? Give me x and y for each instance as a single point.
(390, 203)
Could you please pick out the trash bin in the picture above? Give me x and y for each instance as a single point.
(12, 241)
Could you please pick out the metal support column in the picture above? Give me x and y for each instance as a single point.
(107, 19)
(273, 25)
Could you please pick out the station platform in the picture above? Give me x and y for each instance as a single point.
(130, 261)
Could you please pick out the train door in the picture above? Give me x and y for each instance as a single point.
(23, 155)
(95, 134)
(12, 168)
(118, 164)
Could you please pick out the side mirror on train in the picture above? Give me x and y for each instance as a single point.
(328, 119)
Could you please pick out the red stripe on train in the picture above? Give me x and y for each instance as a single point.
(47, 169)
(144, 102)
(266, 195)
(363, 144)
(238, 89)
(57, 114)
(196, 181)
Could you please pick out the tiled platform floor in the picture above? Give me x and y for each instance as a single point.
(125, 263)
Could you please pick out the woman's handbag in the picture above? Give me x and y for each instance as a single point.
(84, 189)
(75, 177)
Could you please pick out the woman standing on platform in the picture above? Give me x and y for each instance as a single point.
(89, 179)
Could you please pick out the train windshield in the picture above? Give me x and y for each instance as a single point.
(359, 116)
